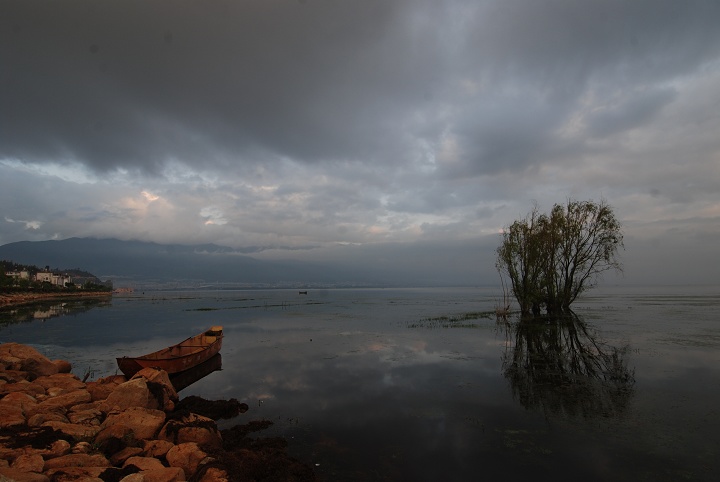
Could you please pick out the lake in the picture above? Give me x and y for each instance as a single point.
(426, 384)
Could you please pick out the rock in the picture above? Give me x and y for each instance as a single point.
(157, 448)
(52, 416)
(82, 448)
(144, 463)
(77, 460)
(114, 438)
(23, 386)
(62, 366)
(166, 474)
(76, 431)
(91, 417)
(191, 427)
(66, 381)
(71, 474)
(30, 360)
(160, 385)
(57, 449)
(133, 393)
(214, 474)
(187, 456)
(11, 415)
(16, 475)
(120, 457)
(21, 399)
(64, 400)
(100, 389)
(145, 423)
(29, 463)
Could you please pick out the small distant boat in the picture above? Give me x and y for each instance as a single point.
(177, 358)
(302, 292)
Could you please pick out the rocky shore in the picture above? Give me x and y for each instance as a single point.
(55, 427)
(7, 299)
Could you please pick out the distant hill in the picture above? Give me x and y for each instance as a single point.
(137, 263)
(150, 265)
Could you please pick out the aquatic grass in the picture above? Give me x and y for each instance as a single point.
(452, 321)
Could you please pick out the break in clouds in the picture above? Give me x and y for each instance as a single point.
(321, 130)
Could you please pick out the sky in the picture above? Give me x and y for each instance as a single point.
(327, 130)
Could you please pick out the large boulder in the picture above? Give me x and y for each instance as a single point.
(103, 387)
(25, 358)
(166, 474)
(159, 384)
(23, 386)
(187, 456)
(133, 393)
(144, 422)
(31, 462)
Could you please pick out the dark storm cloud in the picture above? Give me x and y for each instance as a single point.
(137, 84)
(352, 123)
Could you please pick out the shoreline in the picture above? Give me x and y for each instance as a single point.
(9, 299)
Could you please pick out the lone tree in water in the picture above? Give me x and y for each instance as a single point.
(551, 259)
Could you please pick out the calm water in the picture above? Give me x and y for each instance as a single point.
(422, 384)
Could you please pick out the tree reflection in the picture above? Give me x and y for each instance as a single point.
(561, 366)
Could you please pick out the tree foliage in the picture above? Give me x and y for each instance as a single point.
(552, 259)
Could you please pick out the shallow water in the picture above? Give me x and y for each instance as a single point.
(425, 384)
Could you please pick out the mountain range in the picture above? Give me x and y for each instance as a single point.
(146, 265)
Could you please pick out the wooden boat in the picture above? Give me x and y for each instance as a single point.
(177, 358)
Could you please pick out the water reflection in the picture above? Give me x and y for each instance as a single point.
(562, 366)
(186, 378)
(48, 309)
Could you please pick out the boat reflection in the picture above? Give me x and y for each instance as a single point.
(186, 378)
(561, 366)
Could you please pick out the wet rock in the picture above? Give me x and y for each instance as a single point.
(190, 427)
(145, 423)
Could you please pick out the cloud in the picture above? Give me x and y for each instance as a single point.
(295, 124)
